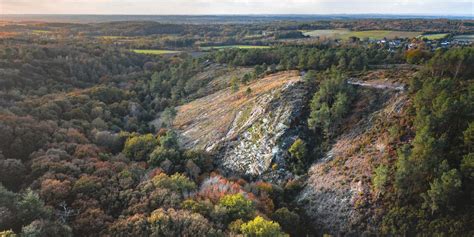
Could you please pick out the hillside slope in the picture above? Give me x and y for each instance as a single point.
(338, 195)
(248, 129)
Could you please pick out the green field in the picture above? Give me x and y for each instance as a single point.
(434, 36)
(155, 51)
(40, 32)
(465, 37)
(371, 34)
(235, 46)
(111, 37)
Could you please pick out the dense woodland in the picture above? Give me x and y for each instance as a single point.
(79, 156)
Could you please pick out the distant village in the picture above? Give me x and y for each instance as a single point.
(422, 43)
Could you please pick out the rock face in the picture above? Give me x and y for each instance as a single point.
(249, 130)
(267, 133)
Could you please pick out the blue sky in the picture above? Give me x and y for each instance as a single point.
(160, 7)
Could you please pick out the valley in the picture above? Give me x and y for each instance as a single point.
(250, 126)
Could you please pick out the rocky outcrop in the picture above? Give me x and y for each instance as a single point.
(249, 129)
(267, 132)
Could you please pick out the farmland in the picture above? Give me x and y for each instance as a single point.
(464, 37)
(434, 36)
(155, 51)
(235, 46)
(370, 34)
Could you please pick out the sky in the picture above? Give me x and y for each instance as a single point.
(199, 7)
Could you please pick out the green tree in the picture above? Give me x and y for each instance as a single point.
(31, 207)
(167, 116)
(237, 206)
(298, 149)
(137, 147)
(260, 227)
(40, 228)
(443, 192)
(234, 84)
(287, 219)
(380, 178)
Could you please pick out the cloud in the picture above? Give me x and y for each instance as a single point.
(456, 7)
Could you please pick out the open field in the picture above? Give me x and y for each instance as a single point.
(235, 46)
(155, 51)
(40, 32)
(112, 37)
(371, 34)
(465, 37)
(434, 36)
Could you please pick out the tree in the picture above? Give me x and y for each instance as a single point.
(443, 192)
(137, 147)
(298, 149)
(248, 91)
(330, 103)
(287, 219)
(236, 207)
(167, 117)
(260, 227)
(161, 154)
(380, 178)
(31, 207)
(7, 233)
(12, 172)
(234, 84)
(40, 228)
(173, 222)
(176, 182)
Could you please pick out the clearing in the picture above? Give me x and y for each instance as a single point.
(155, 51)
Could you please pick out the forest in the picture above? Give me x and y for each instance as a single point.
(81, 155)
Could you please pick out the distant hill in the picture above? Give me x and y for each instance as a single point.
(206, 19)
